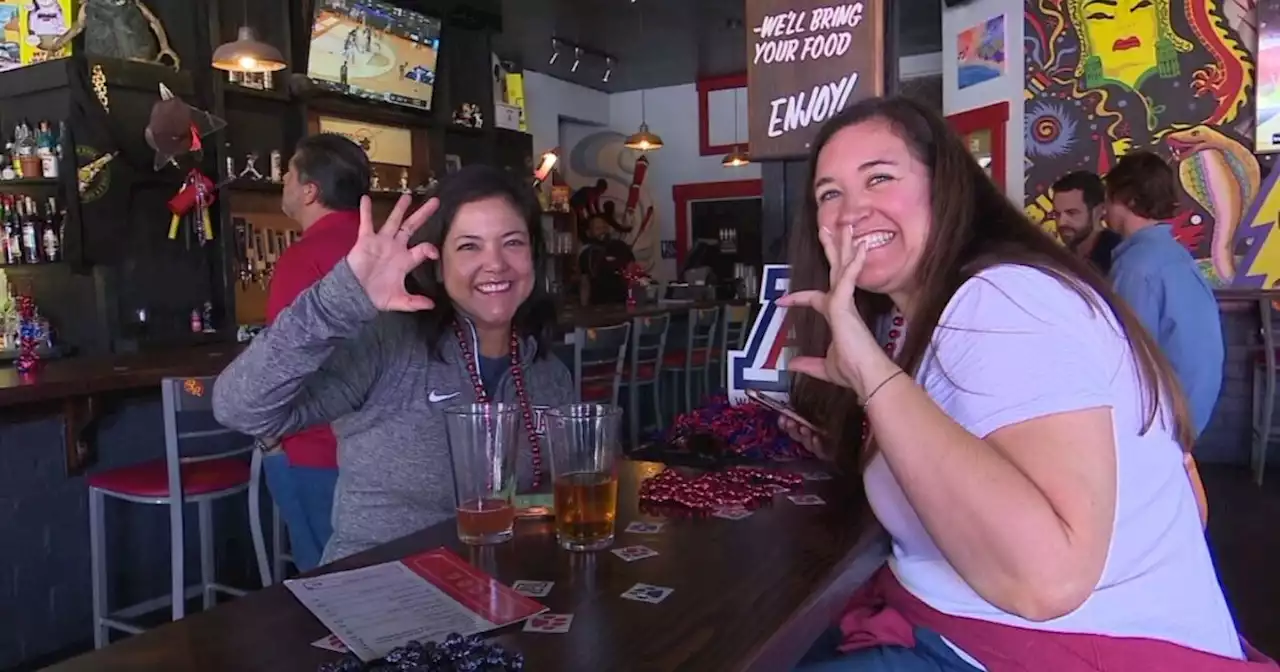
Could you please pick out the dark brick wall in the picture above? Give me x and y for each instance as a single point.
(45, 594)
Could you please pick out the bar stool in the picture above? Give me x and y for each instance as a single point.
(1264, 393)
(188, 406)
(273, 568)
(694, 359)
(599, 354)
(734, 328)
(648, 342)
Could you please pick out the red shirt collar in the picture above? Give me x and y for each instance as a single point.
(334, 220)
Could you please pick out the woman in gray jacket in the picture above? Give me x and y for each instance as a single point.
(390, 338)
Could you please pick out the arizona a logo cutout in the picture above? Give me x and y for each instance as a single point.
(762, 365)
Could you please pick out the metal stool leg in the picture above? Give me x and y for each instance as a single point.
(177, 560)
(207, 566)
(98, 565)
(282, 559)
(255, 519)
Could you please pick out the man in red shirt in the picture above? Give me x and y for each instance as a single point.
(327, 176)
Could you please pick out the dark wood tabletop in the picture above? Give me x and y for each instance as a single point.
(751, 595)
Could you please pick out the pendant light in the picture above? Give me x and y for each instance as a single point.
(738, 157)
(248, 53)
(643, 140)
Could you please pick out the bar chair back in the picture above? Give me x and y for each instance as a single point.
(648, 343)
(198, 479)
(695, 359)
(734, 328)
(599, 355)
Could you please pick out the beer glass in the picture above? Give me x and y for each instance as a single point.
(583, 442)
(483, 440)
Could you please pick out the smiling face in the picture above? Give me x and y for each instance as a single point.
(487, 261)
(1123, 35)
(867, 178)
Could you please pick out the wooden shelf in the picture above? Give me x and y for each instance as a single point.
(30, 183)
(260, 186)
(263, 94)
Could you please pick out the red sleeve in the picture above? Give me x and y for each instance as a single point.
(294, 273)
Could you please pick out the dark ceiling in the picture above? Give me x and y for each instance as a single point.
(656, 42)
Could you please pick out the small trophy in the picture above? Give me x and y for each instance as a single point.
(404, 180)
(231, 166)
(250, 167)
(277, 175)
(375, 184)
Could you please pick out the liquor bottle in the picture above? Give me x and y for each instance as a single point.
(51, 238)
(46, 146)
(5, 204)
(12, 234)
(30, 232)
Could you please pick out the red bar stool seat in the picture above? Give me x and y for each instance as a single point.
(151, 479)
(200, 479)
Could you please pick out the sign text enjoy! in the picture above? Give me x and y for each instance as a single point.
(808, 59)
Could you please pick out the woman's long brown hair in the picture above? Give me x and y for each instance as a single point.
(973, 228)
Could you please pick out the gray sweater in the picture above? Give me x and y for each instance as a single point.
(333, 357)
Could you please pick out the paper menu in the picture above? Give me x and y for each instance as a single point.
(423, 597)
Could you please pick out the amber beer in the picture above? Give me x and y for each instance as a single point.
(485, 521)
(584, 446)
(586, 506)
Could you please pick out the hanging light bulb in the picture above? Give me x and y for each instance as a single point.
(608, 69)
(738, 157)
(643, 140)
(555, 51)
(577, 58)
(248, 54)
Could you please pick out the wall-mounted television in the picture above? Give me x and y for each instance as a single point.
(374, 50)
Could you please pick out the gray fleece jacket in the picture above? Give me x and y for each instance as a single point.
(333, 357)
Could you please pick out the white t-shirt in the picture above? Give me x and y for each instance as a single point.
(1015, 344)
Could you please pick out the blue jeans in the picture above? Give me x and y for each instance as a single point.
(930, 654)
(305, 498)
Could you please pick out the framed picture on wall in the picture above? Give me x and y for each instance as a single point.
(1267, 130)
(452, 163)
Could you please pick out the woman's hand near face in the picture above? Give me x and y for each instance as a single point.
(806, 437)
(854, 358)
(381, 259)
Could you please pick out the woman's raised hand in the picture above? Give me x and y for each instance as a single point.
(853, 352)
(381, 259)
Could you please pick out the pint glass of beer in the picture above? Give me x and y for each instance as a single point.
(483, 440)
(584, 450)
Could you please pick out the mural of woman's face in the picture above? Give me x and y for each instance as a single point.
(1123, 35)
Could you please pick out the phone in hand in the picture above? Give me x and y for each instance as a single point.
(783, 408)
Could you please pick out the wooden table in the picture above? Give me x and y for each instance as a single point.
(749, 595)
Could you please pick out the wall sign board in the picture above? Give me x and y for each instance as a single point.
(806, 61)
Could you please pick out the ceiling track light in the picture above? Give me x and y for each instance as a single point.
(608, 69)
(555, 51)
(577, 58)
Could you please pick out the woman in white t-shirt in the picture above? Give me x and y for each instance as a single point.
(1027, 439)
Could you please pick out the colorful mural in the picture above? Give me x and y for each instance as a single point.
(1170, 76)
(601, 156)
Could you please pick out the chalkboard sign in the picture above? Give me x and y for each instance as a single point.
(807, 60)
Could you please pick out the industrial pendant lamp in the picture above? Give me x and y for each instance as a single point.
(643, 140)
(248, 53)
(738, 157)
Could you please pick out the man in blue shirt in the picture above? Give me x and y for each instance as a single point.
(1156, 275)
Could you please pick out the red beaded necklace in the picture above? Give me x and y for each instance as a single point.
(517, 376)
(893, 345)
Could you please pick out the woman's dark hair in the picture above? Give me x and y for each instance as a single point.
(536, 317)
(974, 227)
